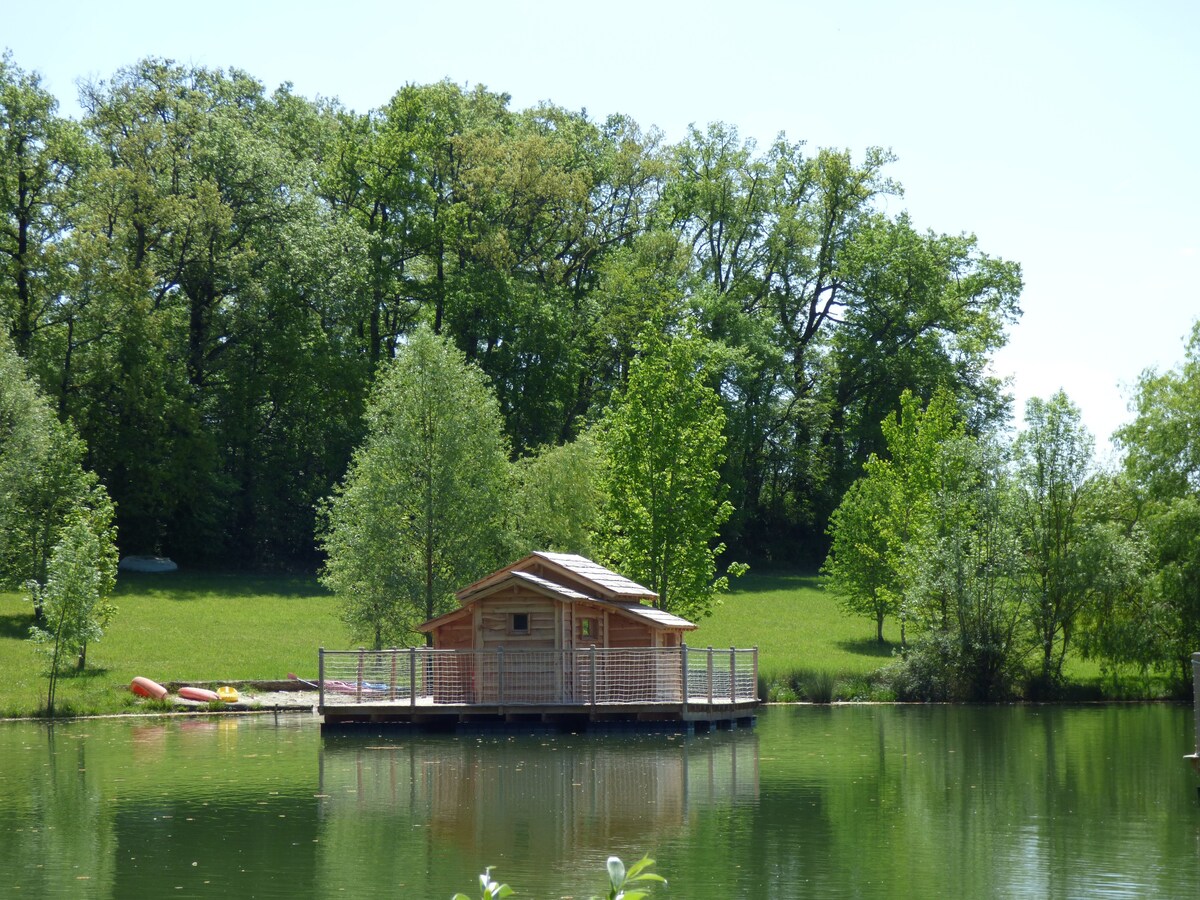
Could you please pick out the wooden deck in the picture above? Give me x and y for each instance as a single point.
(562, 689)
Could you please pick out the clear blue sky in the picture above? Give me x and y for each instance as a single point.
(1063, 133)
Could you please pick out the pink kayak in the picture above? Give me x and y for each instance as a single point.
(202, 694)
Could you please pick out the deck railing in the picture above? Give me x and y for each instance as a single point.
(418, 676)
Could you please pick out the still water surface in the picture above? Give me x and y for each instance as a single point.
(859, 801)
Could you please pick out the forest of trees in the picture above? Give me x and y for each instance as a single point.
(204, 280)
(204, 277)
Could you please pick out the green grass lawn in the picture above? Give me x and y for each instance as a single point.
(177, 627)
(795, 625)
(801, 633)
(212, 628)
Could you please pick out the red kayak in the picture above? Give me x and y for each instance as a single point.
(144, 687)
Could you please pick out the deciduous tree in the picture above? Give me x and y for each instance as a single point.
(1162, 462)
(869, 567)
(40, 156)
(42, 479)
(1053, 483)
(81, 575)
(422, 510)
(663, 445)
(965, 595)
(557, 497)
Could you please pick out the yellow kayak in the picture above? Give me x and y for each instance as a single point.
(227, 693)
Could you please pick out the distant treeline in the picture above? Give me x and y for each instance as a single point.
(205, 277)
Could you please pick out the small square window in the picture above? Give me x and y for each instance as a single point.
(519, 623)
(585, 628)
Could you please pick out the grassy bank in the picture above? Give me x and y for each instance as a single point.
(208, 627)
(177, 627)
(801, 635)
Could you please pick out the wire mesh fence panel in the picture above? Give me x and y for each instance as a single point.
(746, 680)
(716, 675)
(422, 676)
(451, 677)
(638, 676)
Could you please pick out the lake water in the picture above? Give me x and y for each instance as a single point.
(854, 801)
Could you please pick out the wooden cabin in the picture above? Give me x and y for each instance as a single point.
(555, 601)
(552, 638)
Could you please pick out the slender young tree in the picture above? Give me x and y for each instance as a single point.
(81, 575)
(42, 479)
(663, 444)
(965, 566)
(422, 509)
(1054, 460)
(860, 569)
(869, 567)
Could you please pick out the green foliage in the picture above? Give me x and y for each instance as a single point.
(881, 516)
(1162, 466)
(663, 443)
(965, 595)
(422, 510)
(624, 884)
(206, 278)
(557, 497)
(819, 687)
(42, 480)
(81, 575)
(1054, 488)
(857, 307)
(860, 569)
(40, 157)
(932, 535)
(488, 889)
(622, 880)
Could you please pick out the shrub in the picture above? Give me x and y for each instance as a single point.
(818, 687)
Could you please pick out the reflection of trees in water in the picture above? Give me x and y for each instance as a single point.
(496, 797)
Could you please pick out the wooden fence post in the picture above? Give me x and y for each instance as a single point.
(392, 684)
(500, 675)
(732, 675)
(412, 676)
(358, 681)
(683, 666)
(592, 658)
(710, 677)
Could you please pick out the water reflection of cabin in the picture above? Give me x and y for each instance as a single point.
(565, 795)
(552, 637)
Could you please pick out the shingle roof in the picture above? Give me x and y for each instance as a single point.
(596, 574)
(633, 608)
(658, 616)
(602, 587)
(547, 584)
